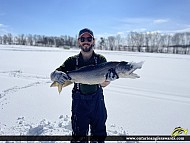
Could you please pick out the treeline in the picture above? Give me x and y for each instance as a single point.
(178, 43)
(154, 42)
(38, 40)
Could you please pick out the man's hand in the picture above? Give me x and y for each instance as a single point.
(59, 76)
(111, 75)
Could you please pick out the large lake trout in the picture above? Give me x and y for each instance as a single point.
(96, 74)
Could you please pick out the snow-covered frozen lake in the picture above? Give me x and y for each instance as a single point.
(154, 104)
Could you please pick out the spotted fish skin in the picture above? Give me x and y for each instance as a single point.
(96, 74)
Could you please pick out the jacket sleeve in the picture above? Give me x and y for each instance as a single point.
(102, 59)
(68, 65)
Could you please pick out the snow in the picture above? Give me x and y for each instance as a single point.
(154, 104)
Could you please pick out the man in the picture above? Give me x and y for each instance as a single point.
(88, 107)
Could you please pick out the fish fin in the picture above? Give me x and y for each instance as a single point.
(133, 76)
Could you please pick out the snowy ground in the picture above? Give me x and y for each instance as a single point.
(153, 105)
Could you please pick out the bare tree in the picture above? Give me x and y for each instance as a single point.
(29, 40)
(111, 42)
(118, 41)
(1, 40)
(102, 43)
(9, 38)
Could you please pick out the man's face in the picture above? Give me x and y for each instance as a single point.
(86, 42)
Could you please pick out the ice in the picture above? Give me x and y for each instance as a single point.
(153, 104)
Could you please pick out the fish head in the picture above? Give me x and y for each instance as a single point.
(124, 69)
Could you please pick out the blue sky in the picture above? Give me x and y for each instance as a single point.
(104, 17)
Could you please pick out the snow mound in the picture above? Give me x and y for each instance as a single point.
(62, 126)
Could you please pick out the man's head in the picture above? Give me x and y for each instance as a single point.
(86, 40)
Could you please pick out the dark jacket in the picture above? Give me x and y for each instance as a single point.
(75, 62)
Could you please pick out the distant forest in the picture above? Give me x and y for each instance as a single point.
(153, 42)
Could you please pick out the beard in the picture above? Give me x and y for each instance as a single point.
(86, 49)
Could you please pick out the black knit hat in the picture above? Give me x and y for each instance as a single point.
(86, 30)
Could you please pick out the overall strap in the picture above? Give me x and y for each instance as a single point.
(77, 66)
(96, 60)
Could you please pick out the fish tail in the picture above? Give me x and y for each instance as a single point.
(60, 86)
(66, 83)
(54, 84)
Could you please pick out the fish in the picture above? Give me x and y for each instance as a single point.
(96, 74)
(178, 130)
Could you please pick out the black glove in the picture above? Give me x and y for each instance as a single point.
(111, 75)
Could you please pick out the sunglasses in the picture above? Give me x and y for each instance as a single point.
(88, 39)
